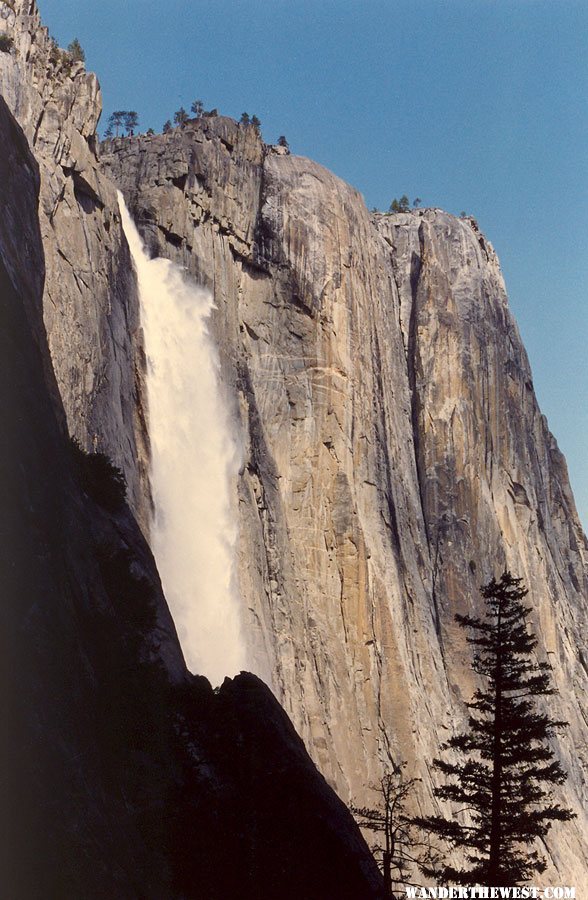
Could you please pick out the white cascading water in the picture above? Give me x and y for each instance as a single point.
(194, 464)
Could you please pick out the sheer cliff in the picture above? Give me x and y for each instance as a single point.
(122, 775)
(395, 455)
(89, 301)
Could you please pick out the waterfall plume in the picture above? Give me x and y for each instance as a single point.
(194, 464)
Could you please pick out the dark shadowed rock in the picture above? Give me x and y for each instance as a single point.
(315, 849)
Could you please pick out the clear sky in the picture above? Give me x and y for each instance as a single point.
(475, 105)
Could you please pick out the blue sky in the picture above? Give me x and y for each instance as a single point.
(475, 105)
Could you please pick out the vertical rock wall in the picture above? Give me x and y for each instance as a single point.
(395, 454)
(90, 305)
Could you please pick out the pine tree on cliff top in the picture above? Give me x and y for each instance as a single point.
(507, 768)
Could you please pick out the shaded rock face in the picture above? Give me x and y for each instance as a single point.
(89, 303)
(122, 775)
(396, 458)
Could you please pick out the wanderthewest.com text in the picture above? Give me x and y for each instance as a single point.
(453, 892)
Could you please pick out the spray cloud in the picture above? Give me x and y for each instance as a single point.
(194, 464)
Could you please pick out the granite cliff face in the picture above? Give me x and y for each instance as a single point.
(89, 302)
(396, 456)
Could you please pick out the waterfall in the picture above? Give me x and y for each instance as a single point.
(194, 464)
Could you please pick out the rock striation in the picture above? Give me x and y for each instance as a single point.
(396, 457)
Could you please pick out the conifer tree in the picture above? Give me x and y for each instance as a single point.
(197, 108)
(76, 52)
(130, 121)
(181, 116)
(507, 768)
(400, 206)
(117, 120)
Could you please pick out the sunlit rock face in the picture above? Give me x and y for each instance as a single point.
(395, 455)
(89, 303)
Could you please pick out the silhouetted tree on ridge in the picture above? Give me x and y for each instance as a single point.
(181, 116)
(131, 122)
(116, 122)
(197, 108)
(76, 52)
(402, 205)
